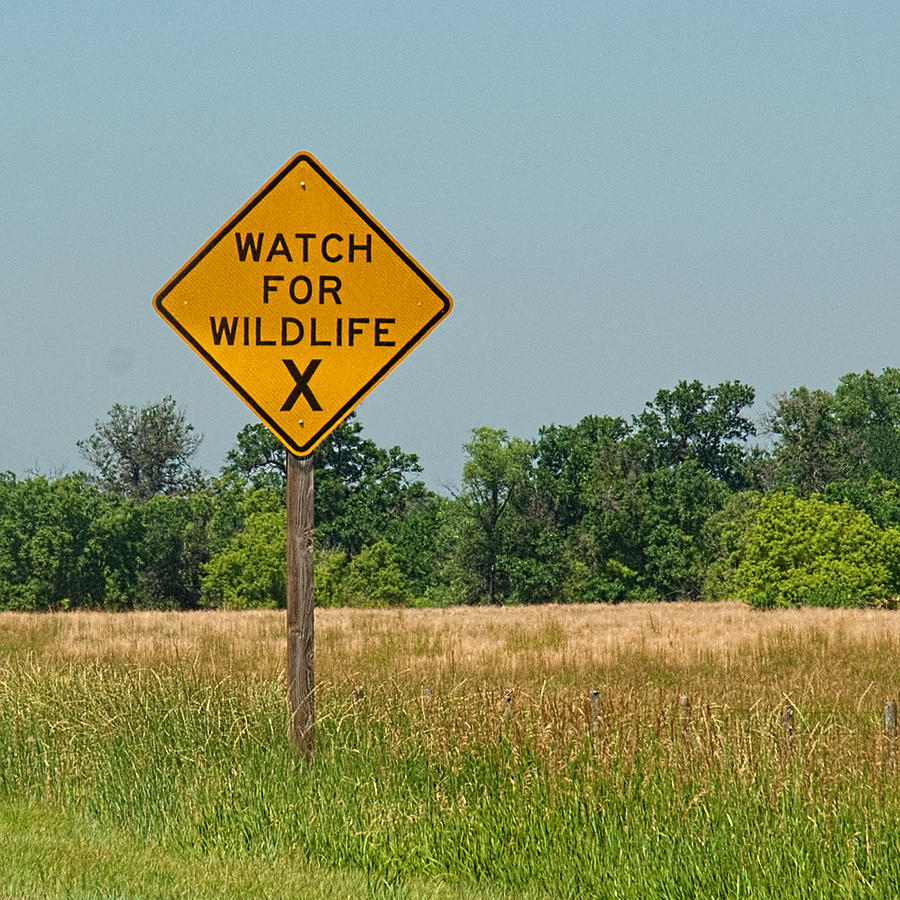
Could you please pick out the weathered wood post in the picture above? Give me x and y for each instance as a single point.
(890, 720)
(890, 730)
(594, 718)
(787, 721)
(300, 603)
(684, 704)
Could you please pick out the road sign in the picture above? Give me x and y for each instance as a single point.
(302, 302)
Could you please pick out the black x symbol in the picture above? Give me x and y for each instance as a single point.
(301, 388)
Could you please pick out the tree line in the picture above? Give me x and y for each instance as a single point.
(690, 499)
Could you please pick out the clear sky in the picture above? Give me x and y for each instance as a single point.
(616, 195)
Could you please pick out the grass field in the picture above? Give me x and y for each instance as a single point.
(458, 755)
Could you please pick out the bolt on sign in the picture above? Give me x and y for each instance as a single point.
(302, 303)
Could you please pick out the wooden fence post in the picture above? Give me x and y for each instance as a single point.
(594, 720)
(890, 730)
(787, 720)
(890, 719)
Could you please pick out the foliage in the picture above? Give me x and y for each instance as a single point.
(648, 532)
(812, 448)
(868, 408)
(249, 571)
(363, 491)
(139, 453)
(566, 458)
(663, 507)
(878, 496)
(497, 479)
(730, 525)
(808, 551)
(703, 424)
(257, 459)
(173, 549)
(63, 544)
(373, 578)
(851, 434)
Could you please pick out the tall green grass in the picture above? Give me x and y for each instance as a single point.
(456, 790)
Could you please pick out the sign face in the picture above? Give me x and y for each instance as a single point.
(302, 302)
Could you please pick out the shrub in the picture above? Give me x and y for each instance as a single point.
(249, 571)
(811, 552)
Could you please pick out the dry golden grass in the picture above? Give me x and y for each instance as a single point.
(512, 645)
(697, 689)
(722, 656)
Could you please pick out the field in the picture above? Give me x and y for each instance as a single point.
(584, 751)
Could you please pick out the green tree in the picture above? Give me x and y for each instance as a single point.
(647, 533)
(374, 578)
(868, 407)
(878, 496)
(812, 448)
(249, 571)
(139, 453)
(566, 458)
(363, 492)
(497, 478)
(257, 459)
(173, 550)
(849, 435)
(806, 551)
(63, 544)
(705, 424)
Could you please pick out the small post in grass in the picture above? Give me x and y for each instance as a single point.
(890, 729)
(684, 703)
(787, 721)
(890, 719)
(300, 603)
(595, 714)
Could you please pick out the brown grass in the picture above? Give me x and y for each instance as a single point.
(723, 653)
(466, 675)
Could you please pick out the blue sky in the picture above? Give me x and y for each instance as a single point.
(617, 197)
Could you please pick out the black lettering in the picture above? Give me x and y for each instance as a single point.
(298, 325)
(340, 327)
(246, 331)
(226, 327)
(353, 330)
(301, 386)
(305, 238)
(381, 331)
(259, 341)
(325, 240)
(367, 246)
(269, 288)
(313, 339)
(329, 284)
(248, 245)
(304, 280)
(279, 248)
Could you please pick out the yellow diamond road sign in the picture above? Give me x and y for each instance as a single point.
(302, 302)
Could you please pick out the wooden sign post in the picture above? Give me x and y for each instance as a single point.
(302, 303)
(300, 603)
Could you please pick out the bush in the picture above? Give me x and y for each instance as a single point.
(373, 578)
(64, 545)
(249, 572)
(811, 552)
